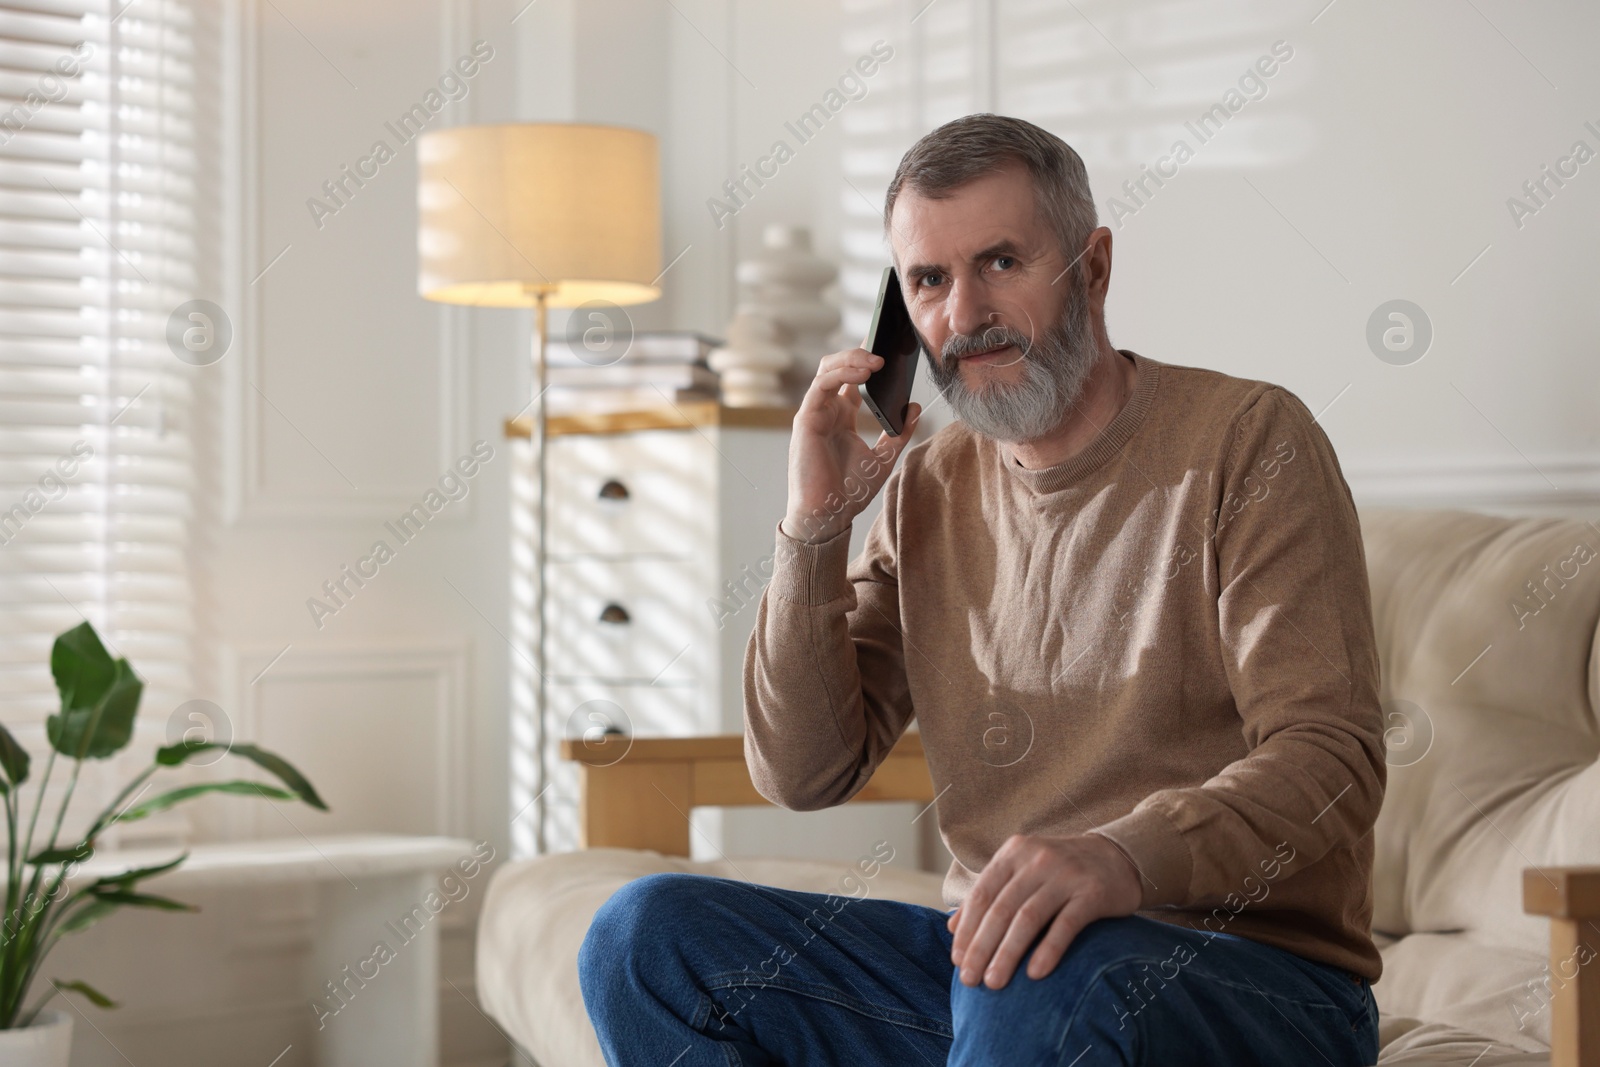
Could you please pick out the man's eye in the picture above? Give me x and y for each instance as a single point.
(1002, 261)
(929, 279)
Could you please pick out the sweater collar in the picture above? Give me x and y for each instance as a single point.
(1110, 441)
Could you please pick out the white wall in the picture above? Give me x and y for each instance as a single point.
(1377, 166)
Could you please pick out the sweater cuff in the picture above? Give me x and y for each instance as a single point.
(811, 574)
(1158, 850)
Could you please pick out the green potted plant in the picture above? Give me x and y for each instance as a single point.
(99, 699)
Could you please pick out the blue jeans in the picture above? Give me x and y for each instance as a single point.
(688, 970)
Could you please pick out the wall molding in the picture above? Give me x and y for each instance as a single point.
(1556, 485)
(247, 253)
(446, 666)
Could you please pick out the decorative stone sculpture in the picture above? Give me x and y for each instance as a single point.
(752, 363)
(784, 284)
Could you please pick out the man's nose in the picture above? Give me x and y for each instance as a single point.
(968, 308)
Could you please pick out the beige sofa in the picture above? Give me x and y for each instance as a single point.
(1487, 630)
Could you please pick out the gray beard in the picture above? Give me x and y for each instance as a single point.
(1054, 372)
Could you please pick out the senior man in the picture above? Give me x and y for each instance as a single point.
(1126, 602)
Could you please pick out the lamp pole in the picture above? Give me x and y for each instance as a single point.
(541, 312)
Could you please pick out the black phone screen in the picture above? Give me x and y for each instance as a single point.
(888, 390)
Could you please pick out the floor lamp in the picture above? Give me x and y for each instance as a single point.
(540, 215)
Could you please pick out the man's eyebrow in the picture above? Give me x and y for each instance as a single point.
(1004, 246)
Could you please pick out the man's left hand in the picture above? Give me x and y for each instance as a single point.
(1032, 881)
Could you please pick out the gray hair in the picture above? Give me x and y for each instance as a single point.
(970, 147)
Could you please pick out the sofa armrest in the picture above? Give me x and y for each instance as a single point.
(1570, 896)
(637, 792)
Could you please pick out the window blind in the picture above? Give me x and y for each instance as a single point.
(937, 73)
(97, 247)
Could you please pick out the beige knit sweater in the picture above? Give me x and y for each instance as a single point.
(1166, 639)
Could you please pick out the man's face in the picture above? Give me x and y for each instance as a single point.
(1007, 326)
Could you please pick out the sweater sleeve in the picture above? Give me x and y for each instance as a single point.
(825, 691)
(1295, 620)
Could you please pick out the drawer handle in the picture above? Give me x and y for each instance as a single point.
(613, 490)
(616, 614)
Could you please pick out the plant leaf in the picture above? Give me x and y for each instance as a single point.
(141, 900)
(178, 796)
(86, 916)
(126, 879)
(173, 755)
(95, 997)
(82, 667)
(76, 854)
(13, 760)
(102, 729)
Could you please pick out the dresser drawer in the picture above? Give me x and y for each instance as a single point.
(575, 708)
(618, 619)
(618, 494)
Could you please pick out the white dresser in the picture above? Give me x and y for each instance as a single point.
(660, 542)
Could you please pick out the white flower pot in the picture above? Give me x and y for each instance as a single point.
(47, 1043)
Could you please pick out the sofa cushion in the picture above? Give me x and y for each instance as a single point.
(1491, 992)
(1412, 1043)
(1487, 631)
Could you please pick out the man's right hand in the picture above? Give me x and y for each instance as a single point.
(833, 474)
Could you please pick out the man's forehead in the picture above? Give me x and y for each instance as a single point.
(983, 216)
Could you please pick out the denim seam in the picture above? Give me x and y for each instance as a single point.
(1365, 1011)
(1365, 1015)
(702, 1012)
(701, 1019)
(1078, 1010)
(1329, 1004)
(1103, 971)
(909, 1020)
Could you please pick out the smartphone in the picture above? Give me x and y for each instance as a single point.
(888, 390)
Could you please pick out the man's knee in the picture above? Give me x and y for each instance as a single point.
(635, 919)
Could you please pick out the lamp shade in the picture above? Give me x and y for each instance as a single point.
(503, 210)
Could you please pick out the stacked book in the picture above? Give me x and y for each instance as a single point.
(654, 370)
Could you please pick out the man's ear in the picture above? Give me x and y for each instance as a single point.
(1097, 262)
